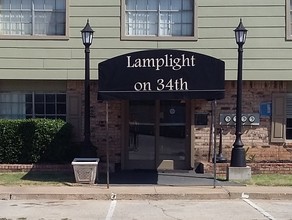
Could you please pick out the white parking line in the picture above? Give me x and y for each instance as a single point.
(266, 214)
(111, 210)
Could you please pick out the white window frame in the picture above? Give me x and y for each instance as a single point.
(32, 36)
(162, 38)
(288, 20)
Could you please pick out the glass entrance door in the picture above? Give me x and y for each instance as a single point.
(172, 135)
(156, 135)
(141, 141)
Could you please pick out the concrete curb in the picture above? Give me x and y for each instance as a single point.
(118, 196)
(269, 196)
(142, 193)
(124, 196)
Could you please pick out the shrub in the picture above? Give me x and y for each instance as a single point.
(35, 141)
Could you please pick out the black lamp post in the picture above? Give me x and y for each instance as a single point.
(238, 152)
(87, 36)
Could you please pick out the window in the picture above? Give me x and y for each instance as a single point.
(158, 18)
(289, 116)
(33, 17)
(33, 105)
(281, 117)
(278, 134)
(289, 19)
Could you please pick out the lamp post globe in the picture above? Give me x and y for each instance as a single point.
(87, 34)
(238, 152)
(240, 33)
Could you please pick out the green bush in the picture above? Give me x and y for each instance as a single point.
(35, 141)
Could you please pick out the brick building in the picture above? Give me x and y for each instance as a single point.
(42, 74)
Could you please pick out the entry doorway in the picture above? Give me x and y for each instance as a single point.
(157, 135)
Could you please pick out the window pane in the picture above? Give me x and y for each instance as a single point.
(61, 109)
(176, 5)
(165, 24)
(28, 97)
(5, 109)
(187, 5)
(141, 17)
(28, 109)
(176, 30)
(39, 4)
(50, 4)
(289, 123)
(60, 29)
(4, 4)
(12, 105)
(187, 17)
(50, 98)
(60, 18)
(130, 4)
(26, 4)
(49, 18)
(39, 98)
(291, 21)
(176, 18)
(61, 98)
(50, 109)
(165, 5)
(153, 5)
(288, 133)
(60, 4)
(142, 5)
(39, 109)
(16, 5)
(187, 29)
(26, 17)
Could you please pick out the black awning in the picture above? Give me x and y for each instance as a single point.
(161, 74)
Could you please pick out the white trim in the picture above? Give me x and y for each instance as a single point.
(288, 20)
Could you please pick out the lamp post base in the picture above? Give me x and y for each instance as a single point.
(239, 173)
(238, 157)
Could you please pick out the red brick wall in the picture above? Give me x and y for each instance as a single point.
(35, 167)
(256, 139)
(256, 168)
(98, 122)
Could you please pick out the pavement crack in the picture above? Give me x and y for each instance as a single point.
(227, 191)
(163, 210)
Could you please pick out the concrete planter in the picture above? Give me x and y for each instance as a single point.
(85, 170)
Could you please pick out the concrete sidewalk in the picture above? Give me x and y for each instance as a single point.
(151, 192)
